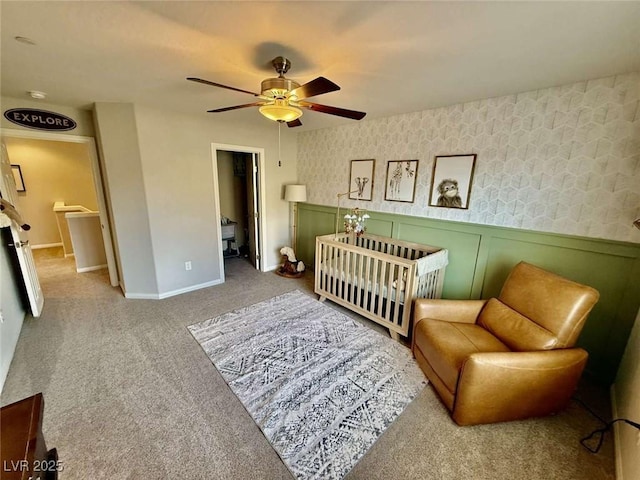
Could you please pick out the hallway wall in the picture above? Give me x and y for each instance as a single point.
(52, 171)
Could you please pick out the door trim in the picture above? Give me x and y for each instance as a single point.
(215, 147)
(97, 181)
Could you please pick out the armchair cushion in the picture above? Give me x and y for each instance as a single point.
(555, 303)
(515, 330)
(446, 345)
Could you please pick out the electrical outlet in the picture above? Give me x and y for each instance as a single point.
(187, 265)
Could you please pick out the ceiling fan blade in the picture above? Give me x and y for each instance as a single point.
(315, 87)
(213, 84)
(294, 123)
(340, 112)
(235, 107)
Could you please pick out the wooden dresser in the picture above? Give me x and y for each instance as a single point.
(23, 450)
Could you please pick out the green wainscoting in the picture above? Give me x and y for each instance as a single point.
(481, 256)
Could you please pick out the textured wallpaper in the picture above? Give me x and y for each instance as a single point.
(563, 159)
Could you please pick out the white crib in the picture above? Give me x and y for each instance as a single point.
(378, 277)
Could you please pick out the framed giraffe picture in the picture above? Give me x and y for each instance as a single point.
(401, 180)
(361, 179)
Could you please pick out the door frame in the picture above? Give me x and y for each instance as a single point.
(222, 147)
(90, 143)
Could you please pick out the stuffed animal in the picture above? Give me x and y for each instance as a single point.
(291, 266)
(8, 212)
(449, 196)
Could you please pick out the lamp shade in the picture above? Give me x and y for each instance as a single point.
(295, 193)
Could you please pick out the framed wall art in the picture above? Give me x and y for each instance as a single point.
(17, 176)
(451, 181)
(361, 179)
(401, 180)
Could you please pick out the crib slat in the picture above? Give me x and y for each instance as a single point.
(340, 271)
(319, 277)
(325, 260)
(327, 267)
(361, 260)
(392, 271)
(348, 276)
(399, 289)
(335, 272)
(381, 286)
(354, 261)
(365, 283)
(373, 284)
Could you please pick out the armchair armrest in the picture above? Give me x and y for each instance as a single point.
(503, 386)
(463, 311)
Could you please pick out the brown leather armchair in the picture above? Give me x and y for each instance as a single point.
(509, 357)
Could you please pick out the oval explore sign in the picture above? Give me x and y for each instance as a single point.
(40, 119)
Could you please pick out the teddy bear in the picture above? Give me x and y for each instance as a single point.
(291, 266)
(8, 213)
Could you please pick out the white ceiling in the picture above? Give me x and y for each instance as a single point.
(389, 57)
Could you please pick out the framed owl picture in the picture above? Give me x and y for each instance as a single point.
(451, 181)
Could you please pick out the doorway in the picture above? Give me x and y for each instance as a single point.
(60, 153)
(239, 193)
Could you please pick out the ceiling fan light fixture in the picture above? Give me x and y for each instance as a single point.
(281, 98)
(280, 112)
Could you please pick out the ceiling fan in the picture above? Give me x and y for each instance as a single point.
(281, 99)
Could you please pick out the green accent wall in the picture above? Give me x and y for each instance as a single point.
(481, 257)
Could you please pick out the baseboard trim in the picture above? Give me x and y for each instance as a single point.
(189, 289)
(45, 245)
(91, 269)
(172, 293)
(616, 434)
(67, 255)
(141, 296)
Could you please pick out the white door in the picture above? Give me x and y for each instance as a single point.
(254, 212)
(20, 238)
(255, 207)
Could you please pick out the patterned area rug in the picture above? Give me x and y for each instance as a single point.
(321, 386)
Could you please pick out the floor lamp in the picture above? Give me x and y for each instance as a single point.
(294, 194)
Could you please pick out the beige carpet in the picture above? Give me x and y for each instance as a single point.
(129, 395)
